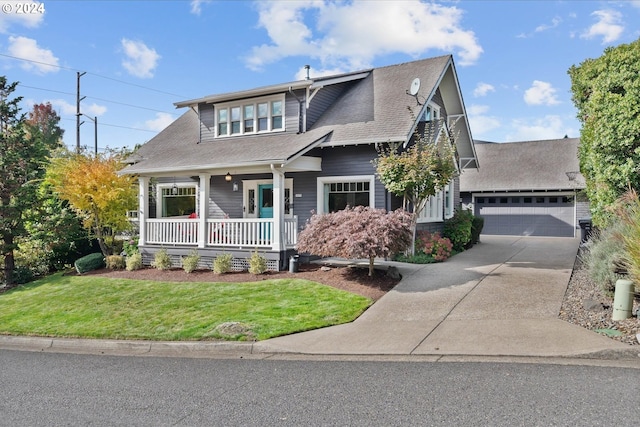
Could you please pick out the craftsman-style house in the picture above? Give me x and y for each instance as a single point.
(243, 171)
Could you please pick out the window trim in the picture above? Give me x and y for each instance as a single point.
(439, 199)
(169, 186)
(322, 180)
(228, 106)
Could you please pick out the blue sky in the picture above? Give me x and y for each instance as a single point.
(140, 57)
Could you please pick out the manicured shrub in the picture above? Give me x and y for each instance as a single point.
(89, 262)
(134, 262)
(477, 224)
(115, 262)
(190, 262)
(161, 260)
(222, 263)
(458, 229)
(257, 264)
(434, 245)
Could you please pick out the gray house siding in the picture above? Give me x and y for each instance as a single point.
(337, 161)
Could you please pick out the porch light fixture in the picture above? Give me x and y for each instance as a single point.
(228, 177)
(174, 190)
(235, 186)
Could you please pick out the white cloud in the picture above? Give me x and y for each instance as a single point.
(161, 121)
(65, 108)
(635, 3)
(541, 93)
(480, 122)
(482, 89)
(349, 35)
(140, 60)
(196, 6)
(548, 127)
(11, 17)
(43, 60)
(544, 27)
(93, 110)
(609, 26)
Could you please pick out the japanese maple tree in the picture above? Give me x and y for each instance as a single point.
(359, 232)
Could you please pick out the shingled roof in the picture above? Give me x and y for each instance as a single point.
(524, 166)
(374, 109)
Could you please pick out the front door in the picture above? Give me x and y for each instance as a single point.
(265, 201)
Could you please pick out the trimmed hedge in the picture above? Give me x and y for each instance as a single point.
(89, 262)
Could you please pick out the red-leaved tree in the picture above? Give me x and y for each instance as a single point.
(360, 232)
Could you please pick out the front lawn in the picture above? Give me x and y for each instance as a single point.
(94, 307)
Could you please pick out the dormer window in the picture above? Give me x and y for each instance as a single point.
(258, 116)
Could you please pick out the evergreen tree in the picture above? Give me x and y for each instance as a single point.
(23, 156)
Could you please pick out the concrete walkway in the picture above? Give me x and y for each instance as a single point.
(500, 298)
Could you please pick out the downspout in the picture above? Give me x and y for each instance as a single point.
(302, 113)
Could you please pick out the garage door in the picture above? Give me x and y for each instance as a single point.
(527, 215)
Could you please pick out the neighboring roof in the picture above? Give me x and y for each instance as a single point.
(176, 149)
(524, 166)
(375, 109)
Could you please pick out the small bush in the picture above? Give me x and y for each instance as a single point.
(134, 262)
(604, 256)
(222, 263)
(257, 264)
(130, 246)
(161, 260)
(115, 262)
(89, 262)
(22, 275)
(458, 229)
(477, 224)
(432, 244)
(190, 262)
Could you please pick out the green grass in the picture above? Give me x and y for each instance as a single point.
(91, 307)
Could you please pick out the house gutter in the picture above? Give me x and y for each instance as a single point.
(302, 112)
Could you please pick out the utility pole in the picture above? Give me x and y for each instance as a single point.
(78, 114)
(95, 130)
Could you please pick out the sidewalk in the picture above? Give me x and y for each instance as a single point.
(499, 299)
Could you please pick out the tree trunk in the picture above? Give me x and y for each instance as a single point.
(371, 269)
(9, 260)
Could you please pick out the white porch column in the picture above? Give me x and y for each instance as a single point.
(278, 209)
(203, 211)
(143, 208)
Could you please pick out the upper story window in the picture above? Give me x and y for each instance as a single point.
(432, 112)
(261, 115)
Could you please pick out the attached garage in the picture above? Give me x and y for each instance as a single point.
(526, 188)
(529, 215)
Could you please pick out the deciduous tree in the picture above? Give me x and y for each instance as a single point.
(93, 188)
(360, 232)
(606, 93)
(419, 171)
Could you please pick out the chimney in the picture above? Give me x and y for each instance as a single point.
(307, 67)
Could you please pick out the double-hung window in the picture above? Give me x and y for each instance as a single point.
(260, 116)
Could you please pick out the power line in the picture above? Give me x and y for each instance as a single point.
(93, 74)
(96, 98)
(115, 126)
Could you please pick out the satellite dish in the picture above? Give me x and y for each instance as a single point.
(415, 87)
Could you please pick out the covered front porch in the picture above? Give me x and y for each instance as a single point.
(251, 212)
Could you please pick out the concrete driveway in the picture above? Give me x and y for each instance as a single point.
(500, 298)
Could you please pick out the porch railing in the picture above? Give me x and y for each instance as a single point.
(228, 232)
